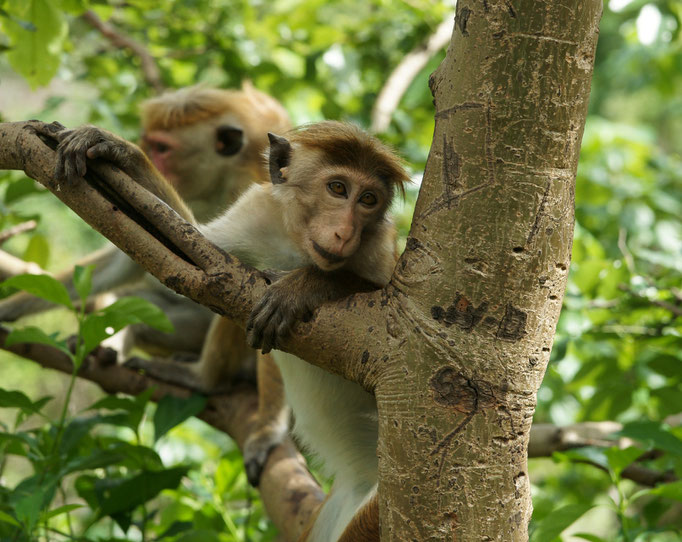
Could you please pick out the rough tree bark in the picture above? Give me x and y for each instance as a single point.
(455, 347)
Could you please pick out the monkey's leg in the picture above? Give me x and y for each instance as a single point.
(225, 357)
(272, 422)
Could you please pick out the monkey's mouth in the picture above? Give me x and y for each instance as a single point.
(331, 258)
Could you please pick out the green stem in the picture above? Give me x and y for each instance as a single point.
(77, 361)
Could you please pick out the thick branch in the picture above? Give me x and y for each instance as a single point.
(404, 73)
(194, 267)
(289, 492)
(150, 70)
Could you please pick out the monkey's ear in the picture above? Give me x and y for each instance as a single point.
(229, 140)
(280, 152)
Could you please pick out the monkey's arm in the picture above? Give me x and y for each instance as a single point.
(112, 270)
(294, 297)
(90, 142)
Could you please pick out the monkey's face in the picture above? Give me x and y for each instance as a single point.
(346, 203)
(197, 157)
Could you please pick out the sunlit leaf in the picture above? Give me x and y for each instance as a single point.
(36, 48)
(42, 286)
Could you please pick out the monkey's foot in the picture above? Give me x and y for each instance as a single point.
(171, 372)
(257, 448)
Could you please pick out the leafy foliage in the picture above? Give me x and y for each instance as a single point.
(118, 479)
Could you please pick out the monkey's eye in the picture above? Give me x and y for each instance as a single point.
(368, 199)
(337, 188)
(159, 147)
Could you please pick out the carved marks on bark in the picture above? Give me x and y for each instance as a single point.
(453, 390)
(462, 18)
(451, 165)
(462, 312)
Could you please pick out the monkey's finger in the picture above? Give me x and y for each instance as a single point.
(285, 325)
(53, 130)
(100, 150)
(74, 164)
(269, 338)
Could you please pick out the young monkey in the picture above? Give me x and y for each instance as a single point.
(324, 218)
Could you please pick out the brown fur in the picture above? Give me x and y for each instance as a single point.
(364, 527)
(343, 144)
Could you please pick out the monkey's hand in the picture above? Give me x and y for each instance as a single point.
(90, 142)
(294, 298)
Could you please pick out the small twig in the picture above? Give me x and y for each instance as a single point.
(404, 73)
(16, 230)
(627, 255)
(674, 309)
(11, 265)
(150, 69)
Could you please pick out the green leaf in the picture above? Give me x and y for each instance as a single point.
(82, 281)
(42, 286)
(126, 311)
(621, 458)
(174, 410)
(62, 510)
(29, 507)
(199, 535)
(20, 188)
(38, 250)
(17, 399)
(75, 7)
(670, 491)
(555, 522)
(34, 335)
(588, 454)
(129, 493)
(36, 48)
(9, 519)
(588, 537)
(653, 434)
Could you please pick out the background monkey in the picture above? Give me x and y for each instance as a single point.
(323, 218)
(208, 143)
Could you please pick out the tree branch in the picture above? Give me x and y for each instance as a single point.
(404, 73)
(150, 69)
(16, 230)
(289, 492)
(285, 474)
(174, 252)
(11, 265)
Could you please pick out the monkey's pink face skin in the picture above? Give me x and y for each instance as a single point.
(348, 202)
(160, 147)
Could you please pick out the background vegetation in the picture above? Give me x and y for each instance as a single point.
(618, 350)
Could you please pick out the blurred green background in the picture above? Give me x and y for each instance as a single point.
(618, 350)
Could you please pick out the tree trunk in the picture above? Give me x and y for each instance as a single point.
(476, 296)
